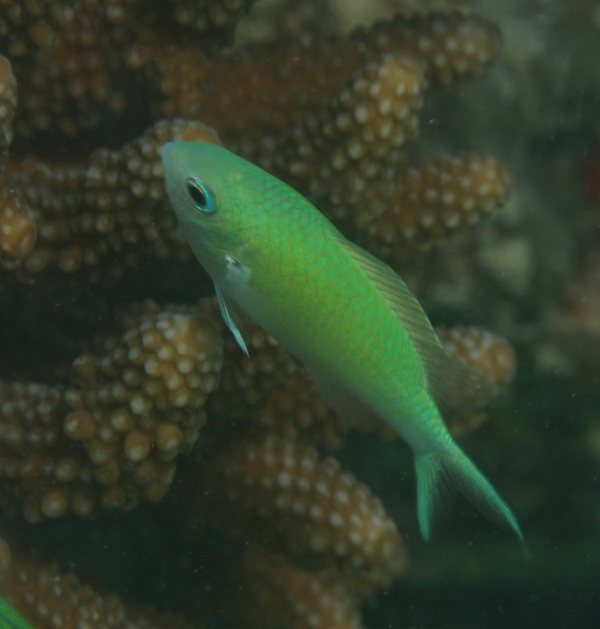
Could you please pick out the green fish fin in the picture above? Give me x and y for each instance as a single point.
(230, 314)
(456, 387)
(441, 472)
(10, 617)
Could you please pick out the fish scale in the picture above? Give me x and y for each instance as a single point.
(347, 316)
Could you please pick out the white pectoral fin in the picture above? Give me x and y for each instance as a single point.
(229, 320)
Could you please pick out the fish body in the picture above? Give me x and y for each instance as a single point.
(344, 314)
(10, 617)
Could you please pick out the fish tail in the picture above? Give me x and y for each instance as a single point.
(442, 471)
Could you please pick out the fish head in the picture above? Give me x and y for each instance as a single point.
(215, 196)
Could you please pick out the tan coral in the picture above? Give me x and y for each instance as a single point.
(139, 400)
(28, 25)
(8, 104)
(346, 153)
(207, 14)
(180, 75)
(303, 77)
(297, 410)
(18, 232)
(284, 495)
(107, 213)
(451, 45)
(111, 440)
(49, 599)
(433, 200)
(267, 88)
(72, 72)
(41, 473)
(285, 595)
(85, 57)
(490, 353)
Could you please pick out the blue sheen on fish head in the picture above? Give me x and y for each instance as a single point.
(203, 184)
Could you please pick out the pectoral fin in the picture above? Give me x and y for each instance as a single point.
(228, 317)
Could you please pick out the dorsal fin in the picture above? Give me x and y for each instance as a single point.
(456, 387)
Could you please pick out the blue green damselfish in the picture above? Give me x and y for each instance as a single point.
(344, 314)
(10, 617)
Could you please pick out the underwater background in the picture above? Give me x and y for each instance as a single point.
(151, 475)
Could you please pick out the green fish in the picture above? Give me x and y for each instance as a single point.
(10, 617)
(344, 314)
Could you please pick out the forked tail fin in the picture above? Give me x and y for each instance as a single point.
(441, 472)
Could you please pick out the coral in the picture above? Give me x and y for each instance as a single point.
(138, 400)
(432, 200)
(84, 55)
(17, 229)
(306, 75)
(490, 353)
(283, 494)
(111, 439)
(49, 598)
(286, 595)
(107, 213)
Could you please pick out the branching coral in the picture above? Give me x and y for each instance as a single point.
(299, 599)
(107, 213)
(288, 498)
(432, 200)
(49, 598)
(110, 440)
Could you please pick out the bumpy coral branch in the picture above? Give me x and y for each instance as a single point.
(208, 14)
(349, 150)
(284, 495)
(291, 597)
(86, 56)
(296, 410)
(51, 599)
(266, 88)
(40, 472)
(18, 232)
(432, 200)
(138, 403)
(451, 46)
(107, 213)
(492, 354)
(8, 104)
(17, 229)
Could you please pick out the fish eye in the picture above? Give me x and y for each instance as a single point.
(201, 196)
